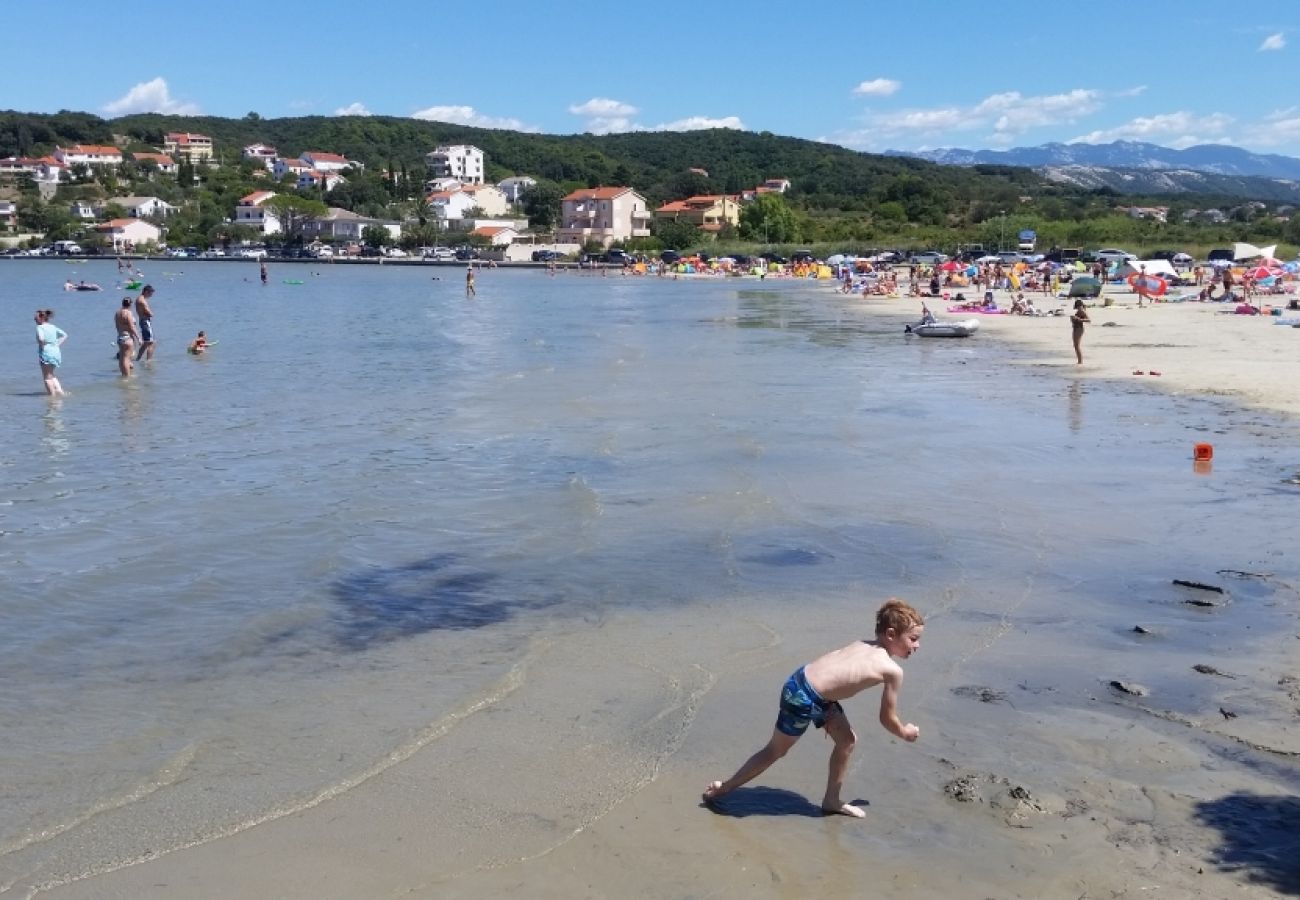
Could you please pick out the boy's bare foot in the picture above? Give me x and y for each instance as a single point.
(713, 791)
(845, 809)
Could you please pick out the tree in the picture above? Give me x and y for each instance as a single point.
(376, 236)
(294, 212)
(769, 219)
(541, 203)
(675, 234)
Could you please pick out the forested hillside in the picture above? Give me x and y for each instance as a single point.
(838, 196)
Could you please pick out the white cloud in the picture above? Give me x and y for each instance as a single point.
(468, 115)
(1176, 129)
(878, 87)
(1278, 128)
(352, 109)
(603, 108)
(150, 96)
(1273, 42)
(606, 116)
(698, 123)
(1008, 115)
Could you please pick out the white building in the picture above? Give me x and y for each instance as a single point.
(456, 202)
(82, 209)
(165, 163)
(497, 235)
(283, 167)
(604, 214)
(261, 153)
(515, 186)
(8, 215)
(194, 147)
(316, 178)
(460, 161)
(328, 162)
(127, 234)
(250, 212)
(341, 225)
(141, 207)
(89, 154)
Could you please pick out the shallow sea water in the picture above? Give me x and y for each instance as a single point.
(239, 585)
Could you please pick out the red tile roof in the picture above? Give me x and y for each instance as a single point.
(255, 198)
(318, 156)
(598, 193)
(94, 150)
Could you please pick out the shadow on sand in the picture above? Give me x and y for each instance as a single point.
(766, 801)
(441, 592)
(1259, 837)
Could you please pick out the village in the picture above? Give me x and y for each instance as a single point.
(457, 202)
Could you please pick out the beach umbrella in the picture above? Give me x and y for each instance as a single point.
(1085, 286)
(1260, 272)
(949, 266)
(1148, 285)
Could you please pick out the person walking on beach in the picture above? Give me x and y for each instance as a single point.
(812, 695)
(469, 282)
(49, 341)
(1077, 320)
(127, 336)
(145, 312)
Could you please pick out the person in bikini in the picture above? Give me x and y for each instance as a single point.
(127, 337)
(812, 695)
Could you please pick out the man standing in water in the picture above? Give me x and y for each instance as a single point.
(264, 272)
(145, 313)
(469, 282)
(127, 336)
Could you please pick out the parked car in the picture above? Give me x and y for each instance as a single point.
(617, 258)
(466, 253)
(547, 255)
(1111, 255)
(929, 258)
(802, 256)
(1220, 253)
(440, 254)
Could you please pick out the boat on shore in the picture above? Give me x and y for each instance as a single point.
(964, 328)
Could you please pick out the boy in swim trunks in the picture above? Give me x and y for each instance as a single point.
(812, 695)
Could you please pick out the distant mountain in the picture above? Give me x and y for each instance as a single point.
(1218, 159)
(1154, 182)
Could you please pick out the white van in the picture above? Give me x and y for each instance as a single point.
(67, 248)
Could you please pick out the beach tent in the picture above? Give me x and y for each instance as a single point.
(1085, 286)
(1242, 251)
(1159, 267)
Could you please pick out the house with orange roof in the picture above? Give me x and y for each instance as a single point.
(497, 235)
(124, 233)
(165, 163)
(322, 179)
(294, 167)
(89, 155)
(251, 212)
(604, 214)
(45, 169)
(328, 162)
(183, 144)
(707, 212)
(456, 202)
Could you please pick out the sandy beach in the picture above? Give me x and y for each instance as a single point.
(1089, 728)
(1198, 349)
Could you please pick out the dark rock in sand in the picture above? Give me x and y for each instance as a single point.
(1129, 687)
(1210, 670)
(980, 693)
(1142, 629)
(1198, 585)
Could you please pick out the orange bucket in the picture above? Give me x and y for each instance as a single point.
(1203, 452)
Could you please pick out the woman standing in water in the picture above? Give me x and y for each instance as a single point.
(49, 338)
(1077, 320)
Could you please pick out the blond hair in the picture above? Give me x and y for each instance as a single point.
(897, 615)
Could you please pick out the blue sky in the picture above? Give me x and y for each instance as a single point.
(902, 75)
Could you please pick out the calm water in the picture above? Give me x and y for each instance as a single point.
(236, 584)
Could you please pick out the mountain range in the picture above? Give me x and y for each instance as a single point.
(1217, 159)
(1134, 167)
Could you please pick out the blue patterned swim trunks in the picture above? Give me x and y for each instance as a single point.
(801, 704)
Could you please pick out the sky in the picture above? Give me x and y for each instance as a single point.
(899, 76)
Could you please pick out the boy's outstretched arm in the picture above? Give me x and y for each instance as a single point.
(888, 712)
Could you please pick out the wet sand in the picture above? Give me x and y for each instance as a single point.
(1061, 755)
